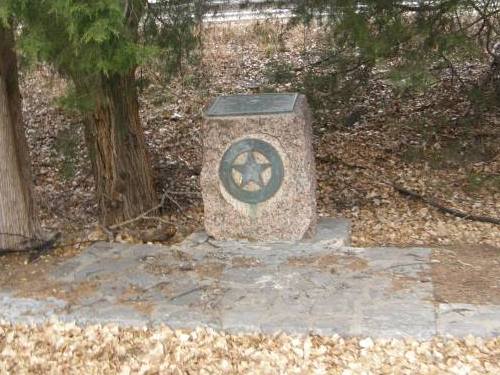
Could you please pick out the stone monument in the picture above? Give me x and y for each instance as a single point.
(258, 178)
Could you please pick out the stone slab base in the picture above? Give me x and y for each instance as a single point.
(315, 286)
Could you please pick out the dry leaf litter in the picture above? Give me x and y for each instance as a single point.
(57, 348)
(393, 140)
(415, 140)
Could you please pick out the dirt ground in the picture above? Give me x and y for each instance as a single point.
(364, 144)
(460, 274)
(466, 274)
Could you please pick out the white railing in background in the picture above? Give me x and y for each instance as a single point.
(246, 10)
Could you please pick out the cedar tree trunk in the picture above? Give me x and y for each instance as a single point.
(115, 141)
(495, 66)
(18, 219)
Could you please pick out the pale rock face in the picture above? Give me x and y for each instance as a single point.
(258, 178)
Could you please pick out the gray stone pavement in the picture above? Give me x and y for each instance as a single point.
(318, 286)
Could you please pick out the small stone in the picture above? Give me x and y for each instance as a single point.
(366, 343)
(411, 356)
(176, 116)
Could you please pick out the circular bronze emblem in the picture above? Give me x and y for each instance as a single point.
(251, 170)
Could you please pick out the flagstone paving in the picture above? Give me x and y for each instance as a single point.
(318, 286)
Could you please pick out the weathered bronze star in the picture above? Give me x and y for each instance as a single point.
(251, 171)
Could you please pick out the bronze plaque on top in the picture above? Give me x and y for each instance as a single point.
(247, 105)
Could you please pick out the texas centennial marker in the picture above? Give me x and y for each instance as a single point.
(258, 177)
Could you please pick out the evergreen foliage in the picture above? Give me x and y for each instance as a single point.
(88, 40)
(171, 26)
(97, 45)
(417, 36)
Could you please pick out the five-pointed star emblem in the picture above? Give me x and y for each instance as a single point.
(251, 170)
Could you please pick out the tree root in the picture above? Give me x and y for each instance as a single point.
(35, 247)
(434, 203)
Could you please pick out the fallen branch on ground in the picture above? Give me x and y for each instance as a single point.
(42, 247)
(36, 247)
(434, 203)
(193, 194)
(171, 199)
(141, 216)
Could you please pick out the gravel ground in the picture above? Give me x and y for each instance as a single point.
(57, 348)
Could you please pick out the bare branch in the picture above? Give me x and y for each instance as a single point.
(432, 202)
(141, 216)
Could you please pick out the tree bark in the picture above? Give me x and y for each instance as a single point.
(495, 69)
(18, 218)
(115, 141)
